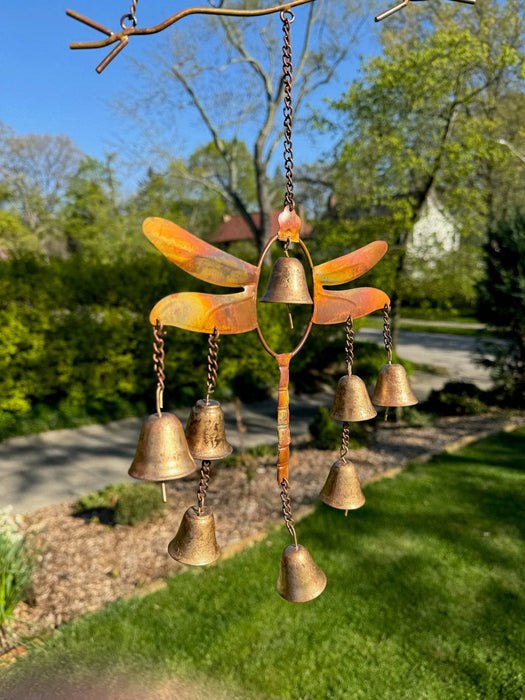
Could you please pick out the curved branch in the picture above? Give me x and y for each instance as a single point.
(122, 37)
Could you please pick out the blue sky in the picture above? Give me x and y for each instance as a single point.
(48, 88)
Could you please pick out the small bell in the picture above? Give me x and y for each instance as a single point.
(205, 431)
(287, 283)
(342, 488)
(195, 542)
(300, 579)
(351, 402)
(393, 388)
(162, 451)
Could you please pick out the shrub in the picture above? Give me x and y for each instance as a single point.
(326, 433)
(456, 399)
(16, 567)
(125, 504)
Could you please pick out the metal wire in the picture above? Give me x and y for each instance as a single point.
(158, 362)
(287, 17)
(213, 365)
(130, 16)
(349, 344)
(345, 441)
(387, 335)
(287, 510)
(203, 484)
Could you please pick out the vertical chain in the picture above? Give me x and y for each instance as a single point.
(213, 365)
(349, 344)
(387, 335)
(345, 441)
(158, 362)
(287, 17)
(287, 510)
(203, 484)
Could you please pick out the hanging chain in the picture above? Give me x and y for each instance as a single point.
(213, 365)
(349, 344)
(345, 441)
(287, 510)
(387, 335)
(158, 362)
(287, 17)
(203, 485)
(130, 17)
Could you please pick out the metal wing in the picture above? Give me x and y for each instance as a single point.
(337, 305)
(196, 311)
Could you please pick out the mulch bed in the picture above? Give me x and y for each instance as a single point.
(83, 565)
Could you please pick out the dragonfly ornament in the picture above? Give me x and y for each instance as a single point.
(236, 312)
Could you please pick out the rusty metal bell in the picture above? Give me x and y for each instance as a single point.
(351, 401)
(342, 488)
(393, 388)
(300, 579)
(205, 431)
(162, 451)
(195, 542)
(287, 283)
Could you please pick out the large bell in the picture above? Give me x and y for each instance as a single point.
(300, 579)
(393, 388)
(342, 488)
(205, 431)
(287, 283)
(162, 451)
(195, 542)
(351, 402)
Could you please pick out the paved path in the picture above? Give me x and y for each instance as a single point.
(61, 465)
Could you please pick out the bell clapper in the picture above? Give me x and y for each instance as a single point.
(386, 413)
(163, 491)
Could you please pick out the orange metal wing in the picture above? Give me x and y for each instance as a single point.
(198, 258)
(194, 311)
(335, 306)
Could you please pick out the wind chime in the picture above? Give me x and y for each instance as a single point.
(165, 450)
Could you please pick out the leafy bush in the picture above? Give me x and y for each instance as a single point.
(125, 503)
(456, 399)
(16, 566)
(326, 433)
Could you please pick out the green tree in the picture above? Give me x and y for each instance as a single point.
(502, 304)
(419, 123)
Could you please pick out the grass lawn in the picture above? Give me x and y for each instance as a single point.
(425, 599)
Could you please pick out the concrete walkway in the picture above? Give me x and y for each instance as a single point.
(61, 465)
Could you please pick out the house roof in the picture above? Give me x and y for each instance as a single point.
(235, 228)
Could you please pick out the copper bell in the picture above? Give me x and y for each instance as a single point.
(342, 488)
(162, 451)
(351, 402)
(195, 542)
(287, 283)
(205, 431)
(393, 388)
(300, 579)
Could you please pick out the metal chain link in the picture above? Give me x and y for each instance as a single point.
(288, 109)
(213, 365)
(287, 509)
(158, 362)
(349, 344)
(203, 484)
(387, 335)
(130, 16)
(345, 441)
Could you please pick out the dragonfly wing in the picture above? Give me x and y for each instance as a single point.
(350, 266)
(337, 306)
(202, 313)
(198, 258)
